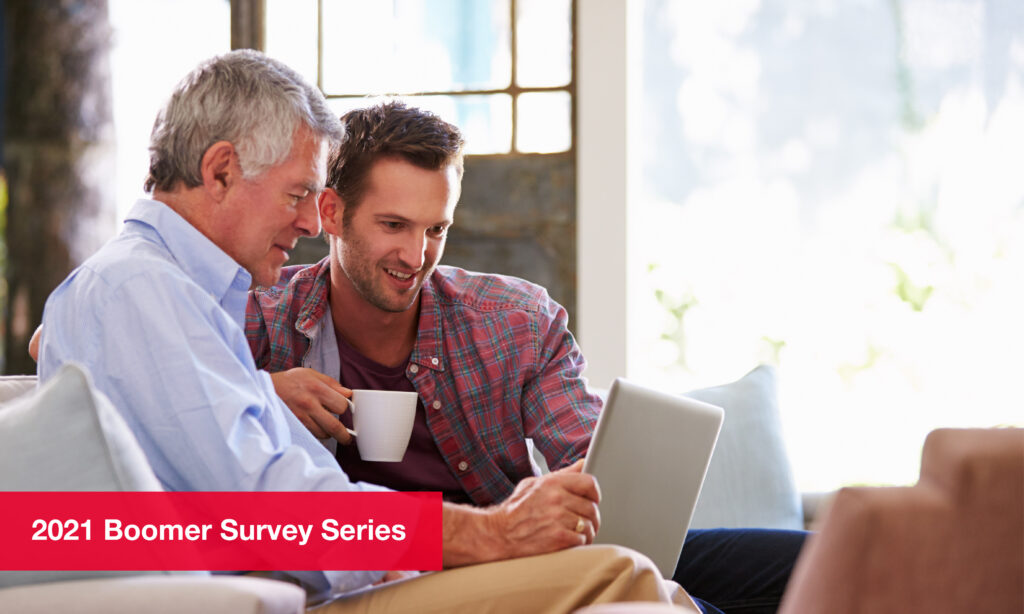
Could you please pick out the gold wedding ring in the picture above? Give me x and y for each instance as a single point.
(580, 525)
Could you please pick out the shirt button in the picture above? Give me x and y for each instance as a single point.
(434, 361)
(463, 466)
(413, 368)
(436, 404)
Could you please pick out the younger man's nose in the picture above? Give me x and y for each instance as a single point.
(413, 253)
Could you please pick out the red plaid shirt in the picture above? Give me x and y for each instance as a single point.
(493, 364)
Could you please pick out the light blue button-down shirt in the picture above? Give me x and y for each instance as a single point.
(157, 317)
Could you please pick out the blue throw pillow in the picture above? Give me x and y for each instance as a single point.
(750, 481)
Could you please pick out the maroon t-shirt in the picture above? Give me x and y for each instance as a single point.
(422, 467)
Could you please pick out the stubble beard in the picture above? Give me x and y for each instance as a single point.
(364, 277)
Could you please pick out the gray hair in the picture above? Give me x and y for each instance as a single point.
(244, 97)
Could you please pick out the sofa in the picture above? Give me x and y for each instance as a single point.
(878, 550)
(954, 542)
(68, 437)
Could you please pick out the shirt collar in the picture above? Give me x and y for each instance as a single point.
(314, 306)
(201, 259)
(426, 352)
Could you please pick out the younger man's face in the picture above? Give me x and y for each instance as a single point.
(396, 235)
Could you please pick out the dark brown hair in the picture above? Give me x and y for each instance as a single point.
(390, 129)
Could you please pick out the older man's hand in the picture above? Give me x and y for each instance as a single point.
(543, 514)
(550, 512)
(316, 400)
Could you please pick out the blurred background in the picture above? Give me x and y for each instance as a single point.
(829, 186)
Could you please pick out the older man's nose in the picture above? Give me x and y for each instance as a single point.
(308, 218)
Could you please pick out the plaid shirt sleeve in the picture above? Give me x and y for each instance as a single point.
(559, 412)
(496, 355)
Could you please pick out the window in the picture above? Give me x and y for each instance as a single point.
(834, 187)
(501, 70)
(145, 64)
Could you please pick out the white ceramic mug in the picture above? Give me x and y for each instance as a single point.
(383, 422)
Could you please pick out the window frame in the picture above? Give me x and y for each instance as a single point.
(248, 30)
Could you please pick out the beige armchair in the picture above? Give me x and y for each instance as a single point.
(952, 543)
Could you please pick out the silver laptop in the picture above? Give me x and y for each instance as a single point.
(649, 453)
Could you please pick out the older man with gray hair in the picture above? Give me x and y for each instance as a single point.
(238, 159)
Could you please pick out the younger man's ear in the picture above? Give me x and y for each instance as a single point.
(219, 168)
(331, 209)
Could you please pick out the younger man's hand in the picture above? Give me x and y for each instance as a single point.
(316, 400)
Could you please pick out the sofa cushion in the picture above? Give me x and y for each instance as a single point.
(750, 481)
(14, 386)
(66, 436)
(158, 595)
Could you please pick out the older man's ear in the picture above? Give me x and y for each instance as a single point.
(33, 344)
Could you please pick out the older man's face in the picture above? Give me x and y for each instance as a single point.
(264, 217)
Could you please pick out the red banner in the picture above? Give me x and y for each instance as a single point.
(219, 531)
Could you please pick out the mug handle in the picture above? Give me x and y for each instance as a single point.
(352, 409)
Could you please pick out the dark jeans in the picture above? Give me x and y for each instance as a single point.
(738, 570)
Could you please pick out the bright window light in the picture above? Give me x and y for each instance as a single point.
(545, 120)
(146, 62)
(454, 57)
(834, 187)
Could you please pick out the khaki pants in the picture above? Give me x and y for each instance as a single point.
(557, 582)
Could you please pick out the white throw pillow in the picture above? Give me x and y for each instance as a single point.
(750, 480)
(67, 436)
